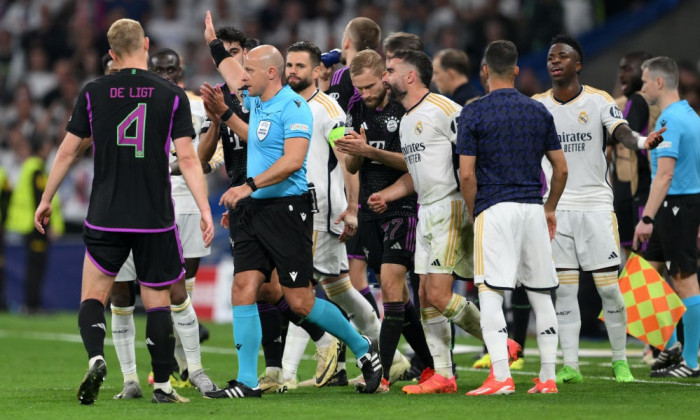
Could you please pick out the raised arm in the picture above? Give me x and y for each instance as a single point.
(230, 69)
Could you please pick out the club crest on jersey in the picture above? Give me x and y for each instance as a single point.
(263, 129)
(348, 121)
(419, 127)
(392, 124)
(582, 118)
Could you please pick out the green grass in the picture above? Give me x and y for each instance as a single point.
(44, 362)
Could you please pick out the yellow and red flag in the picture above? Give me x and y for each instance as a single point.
(653, 308)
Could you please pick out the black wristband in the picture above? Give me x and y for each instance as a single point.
(251, 184)
(226, 115)
(218, 52)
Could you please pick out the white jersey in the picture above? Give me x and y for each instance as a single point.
(581, 124)
(428, 134)
(182, 197)
(322, 167)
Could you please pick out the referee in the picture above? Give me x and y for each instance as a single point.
(274, 230)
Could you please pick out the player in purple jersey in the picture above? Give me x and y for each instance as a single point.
(360, 34)
(133, 116)
(385, 242)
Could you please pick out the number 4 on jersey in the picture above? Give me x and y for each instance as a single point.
(137, 116)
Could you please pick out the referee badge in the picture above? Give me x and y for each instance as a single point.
(263, 129)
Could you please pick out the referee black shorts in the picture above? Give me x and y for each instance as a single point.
(234, 216)
(276, 233)
(674, 238)
(157, 256)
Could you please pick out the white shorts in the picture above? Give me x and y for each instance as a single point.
(511, 246)
(191, 235)
(128, 270)
(330, 255)
(586, 239)
(444, 238)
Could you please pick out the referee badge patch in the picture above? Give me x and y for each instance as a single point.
(263, 129)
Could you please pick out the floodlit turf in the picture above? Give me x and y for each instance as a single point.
(44, 362)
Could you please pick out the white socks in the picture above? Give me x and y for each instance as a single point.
(493, 325)
(568, 316)
(294, 348)
(614, 312)
(438, 336)
(186, 327)
(547, 327)
(123, 336)
(464, 314)
(361, 313)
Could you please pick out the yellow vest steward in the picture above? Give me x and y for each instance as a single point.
(20, 213)
(4, 186)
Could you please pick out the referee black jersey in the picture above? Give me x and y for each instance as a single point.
(382, 131)
(132, 116)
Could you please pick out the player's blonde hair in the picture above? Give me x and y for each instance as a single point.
(125, 36)
(367, 59)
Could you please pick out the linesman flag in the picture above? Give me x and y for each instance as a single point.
(653, 308)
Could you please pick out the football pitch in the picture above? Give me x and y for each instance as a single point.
(44, 362)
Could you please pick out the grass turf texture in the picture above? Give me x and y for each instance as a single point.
(44, 362)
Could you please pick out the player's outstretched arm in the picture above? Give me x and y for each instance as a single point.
(230, 69)
(191, 169)
(559, 175)
(65, 156)
(633, 140)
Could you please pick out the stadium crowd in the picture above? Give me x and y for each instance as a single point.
(407, 174)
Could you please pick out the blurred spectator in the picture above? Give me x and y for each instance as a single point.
(527, 82)
(168, 31)
(20, 219)
(5, 191)
(38, 76)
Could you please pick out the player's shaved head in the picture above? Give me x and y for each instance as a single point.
(364, 33)
(268, 56)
